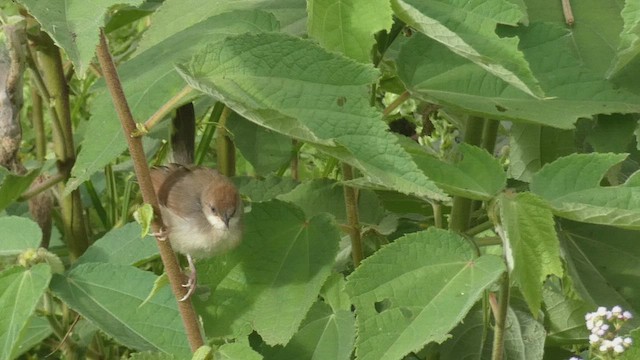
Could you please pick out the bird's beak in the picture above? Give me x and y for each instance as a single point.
(226, 220)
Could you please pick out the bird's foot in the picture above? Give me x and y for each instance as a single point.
(161, 234)
(192, 280)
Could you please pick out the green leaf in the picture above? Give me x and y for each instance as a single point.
(415, 290)
(236, 351)
(74, 25)
(629, 46)
(597, 31)
(269, 283)
(305, 92)
(18, 235)
(20, 292)
(149, 87)
(602, 263)
(266, 150)
(574, 91)
(36, 331)
(469, 29)
(564, 317)
(121, 246)
(290, 14)
(477, 175)
(326, 196)
(532, 146)
(12, 186)
(608, 127)
(632, 352)
(110, 296)
(347, 26)
(523, 338)
(323, 335)
(334, 293)
(144, 216)
(531, 245)
(571, 185)
(204, 352)
(259, 190)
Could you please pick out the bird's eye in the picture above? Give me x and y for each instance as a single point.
(213, 209)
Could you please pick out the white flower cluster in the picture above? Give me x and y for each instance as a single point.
(604, 326)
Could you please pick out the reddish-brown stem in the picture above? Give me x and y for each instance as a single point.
(141, 168)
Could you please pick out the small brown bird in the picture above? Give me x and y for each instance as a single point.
(202, 211)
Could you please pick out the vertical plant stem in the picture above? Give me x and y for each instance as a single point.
(295, 159)
(351, 203)
(209, 131)
(37, 121)
(501, 319)
(141, 168)
(226, 151)
(490, 134)
(437, 214)
(74, 221)
(461, 210)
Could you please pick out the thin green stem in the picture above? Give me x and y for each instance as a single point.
(437, 214)
(461, 209)
(226, 151)
(97, 204)
(351, 203)
(501, 319)
(490, 134)
(112, 193)
(73, 216)
(167, 107)
(479, 228)
(209, 131)
(37, 121)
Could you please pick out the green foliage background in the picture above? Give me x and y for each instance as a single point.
(443, 215)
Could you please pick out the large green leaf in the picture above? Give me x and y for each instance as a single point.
(602, 262)
(477, 174)
(20, 292)
(236, 351)
(348, 26)
(596, 33)
(111, 297)
(532, 146)
(471, 339)
(36, 331)
(468, 28)
(415, 290)
(532, 247)
(259, 190)
(74, 25)
(324, 335)
(564, 317)
(266, 150)
(12, 185)
(323, 195)
(574, 91)
(629, 46)
(571, 185)
(18, 235)
(120, 246)
(269, 283)
(291, 15)
(301, 90)
(149, 87)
